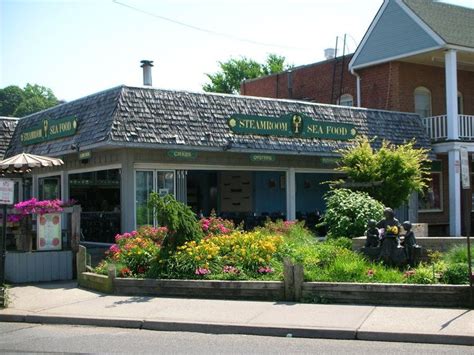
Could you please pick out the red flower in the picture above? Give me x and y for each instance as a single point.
(55, 242)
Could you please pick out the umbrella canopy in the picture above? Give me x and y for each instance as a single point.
(25, 162)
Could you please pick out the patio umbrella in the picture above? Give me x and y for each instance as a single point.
(24, 162)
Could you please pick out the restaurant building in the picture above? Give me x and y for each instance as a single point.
(416, 56)
(245, 158)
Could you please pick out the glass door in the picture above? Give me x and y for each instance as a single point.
(146, 182)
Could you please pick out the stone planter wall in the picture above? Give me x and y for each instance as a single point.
(387, 294)
(291, 289)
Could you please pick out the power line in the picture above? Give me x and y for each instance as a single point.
(204, 30)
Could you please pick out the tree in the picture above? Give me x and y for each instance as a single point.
(389, 175)
(234, 71)
(10, 98)
(18, 102)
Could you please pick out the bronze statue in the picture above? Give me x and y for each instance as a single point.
(372, 235)
(409, 242)
(391, 253)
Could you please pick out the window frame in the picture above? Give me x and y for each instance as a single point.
(424, 90)
(154, 188)
(344, 98)
(441, 200)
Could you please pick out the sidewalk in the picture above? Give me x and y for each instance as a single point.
(64, 303)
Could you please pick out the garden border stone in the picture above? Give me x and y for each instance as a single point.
(291, 289)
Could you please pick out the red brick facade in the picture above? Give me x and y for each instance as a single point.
(388, 86)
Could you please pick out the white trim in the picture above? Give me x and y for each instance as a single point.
(175, 166)
(95, 168)
(57, 173)
(368, 33)
(399, 56)
(460, 48)
(437, 38)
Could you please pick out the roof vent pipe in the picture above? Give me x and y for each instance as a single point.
(329, 53)
(290, 84)
(147, 65)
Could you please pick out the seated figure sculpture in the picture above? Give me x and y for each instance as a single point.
(372, 235)
(391, 253)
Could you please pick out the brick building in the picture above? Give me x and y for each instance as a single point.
(417, 56)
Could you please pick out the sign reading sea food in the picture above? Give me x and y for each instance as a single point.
(49, 232)
(291, 125)
(49, 129)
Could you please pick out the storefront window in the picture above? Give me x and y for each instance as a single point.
(98, 193)
(431, 200)
(49, 188)
(147, 182)
(144, 186)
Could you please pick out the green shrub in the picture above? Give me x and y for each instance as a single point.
(401, 169)
(457, 254)
(180, 220)
(456, 274)
(348, 212)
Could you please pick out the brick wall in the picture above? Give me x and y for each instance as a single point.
(311, 82)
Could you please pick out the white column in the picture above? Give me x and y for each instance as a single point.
(291, 194)
(454, 166)
(452, 94)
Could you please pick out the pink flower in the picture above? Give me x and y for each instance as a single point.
(370, 273)
(202, 271)
(114, 248)
(264, 270)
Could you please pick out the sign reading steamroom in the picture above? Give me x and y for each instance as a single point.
(291, 125)
(49, 130)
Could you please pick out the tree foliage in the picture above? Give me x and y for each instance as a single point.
(390, 174)
(234, 71)
(178, 218)
(18, 102)
(348, 212)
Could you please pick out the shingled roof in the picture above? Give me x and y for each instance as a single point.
(146, 117)
(454, 24)
(7, 127)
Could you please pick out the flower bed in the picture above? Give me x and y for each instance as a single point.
(227, 253)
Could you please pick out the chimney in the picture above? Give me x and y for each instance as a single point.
(147, 65)
(329, 53)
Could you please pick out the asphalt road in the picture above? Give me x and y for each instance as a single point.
(36, 338)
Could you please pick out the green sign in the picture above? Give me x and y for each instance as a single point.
(85, 155)
(182, 154)
(262, 158)
(292, 125)
(49, 130)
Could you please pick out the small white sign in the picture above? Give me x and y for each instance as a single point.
(7, 189)
(49, 232)
(465, 178)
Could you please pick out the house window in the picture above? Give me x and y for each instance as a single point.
(423, 102)
(346, 100)
(431, 200)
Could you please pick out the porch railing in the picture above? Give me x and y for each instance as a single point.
(437, 127)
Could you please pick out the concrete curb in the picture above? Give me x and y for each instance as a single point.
(220, 328)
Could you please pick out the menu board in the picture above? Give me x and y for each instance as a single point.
(7, 188)
(49, 232)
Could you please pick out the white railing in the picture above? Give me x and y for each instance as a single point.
(437, 127)
(466, 127)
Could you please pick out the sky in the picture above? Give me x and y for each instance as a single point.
(79, 47)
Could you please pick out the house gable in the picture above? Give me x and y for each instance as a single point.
(394, 33)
